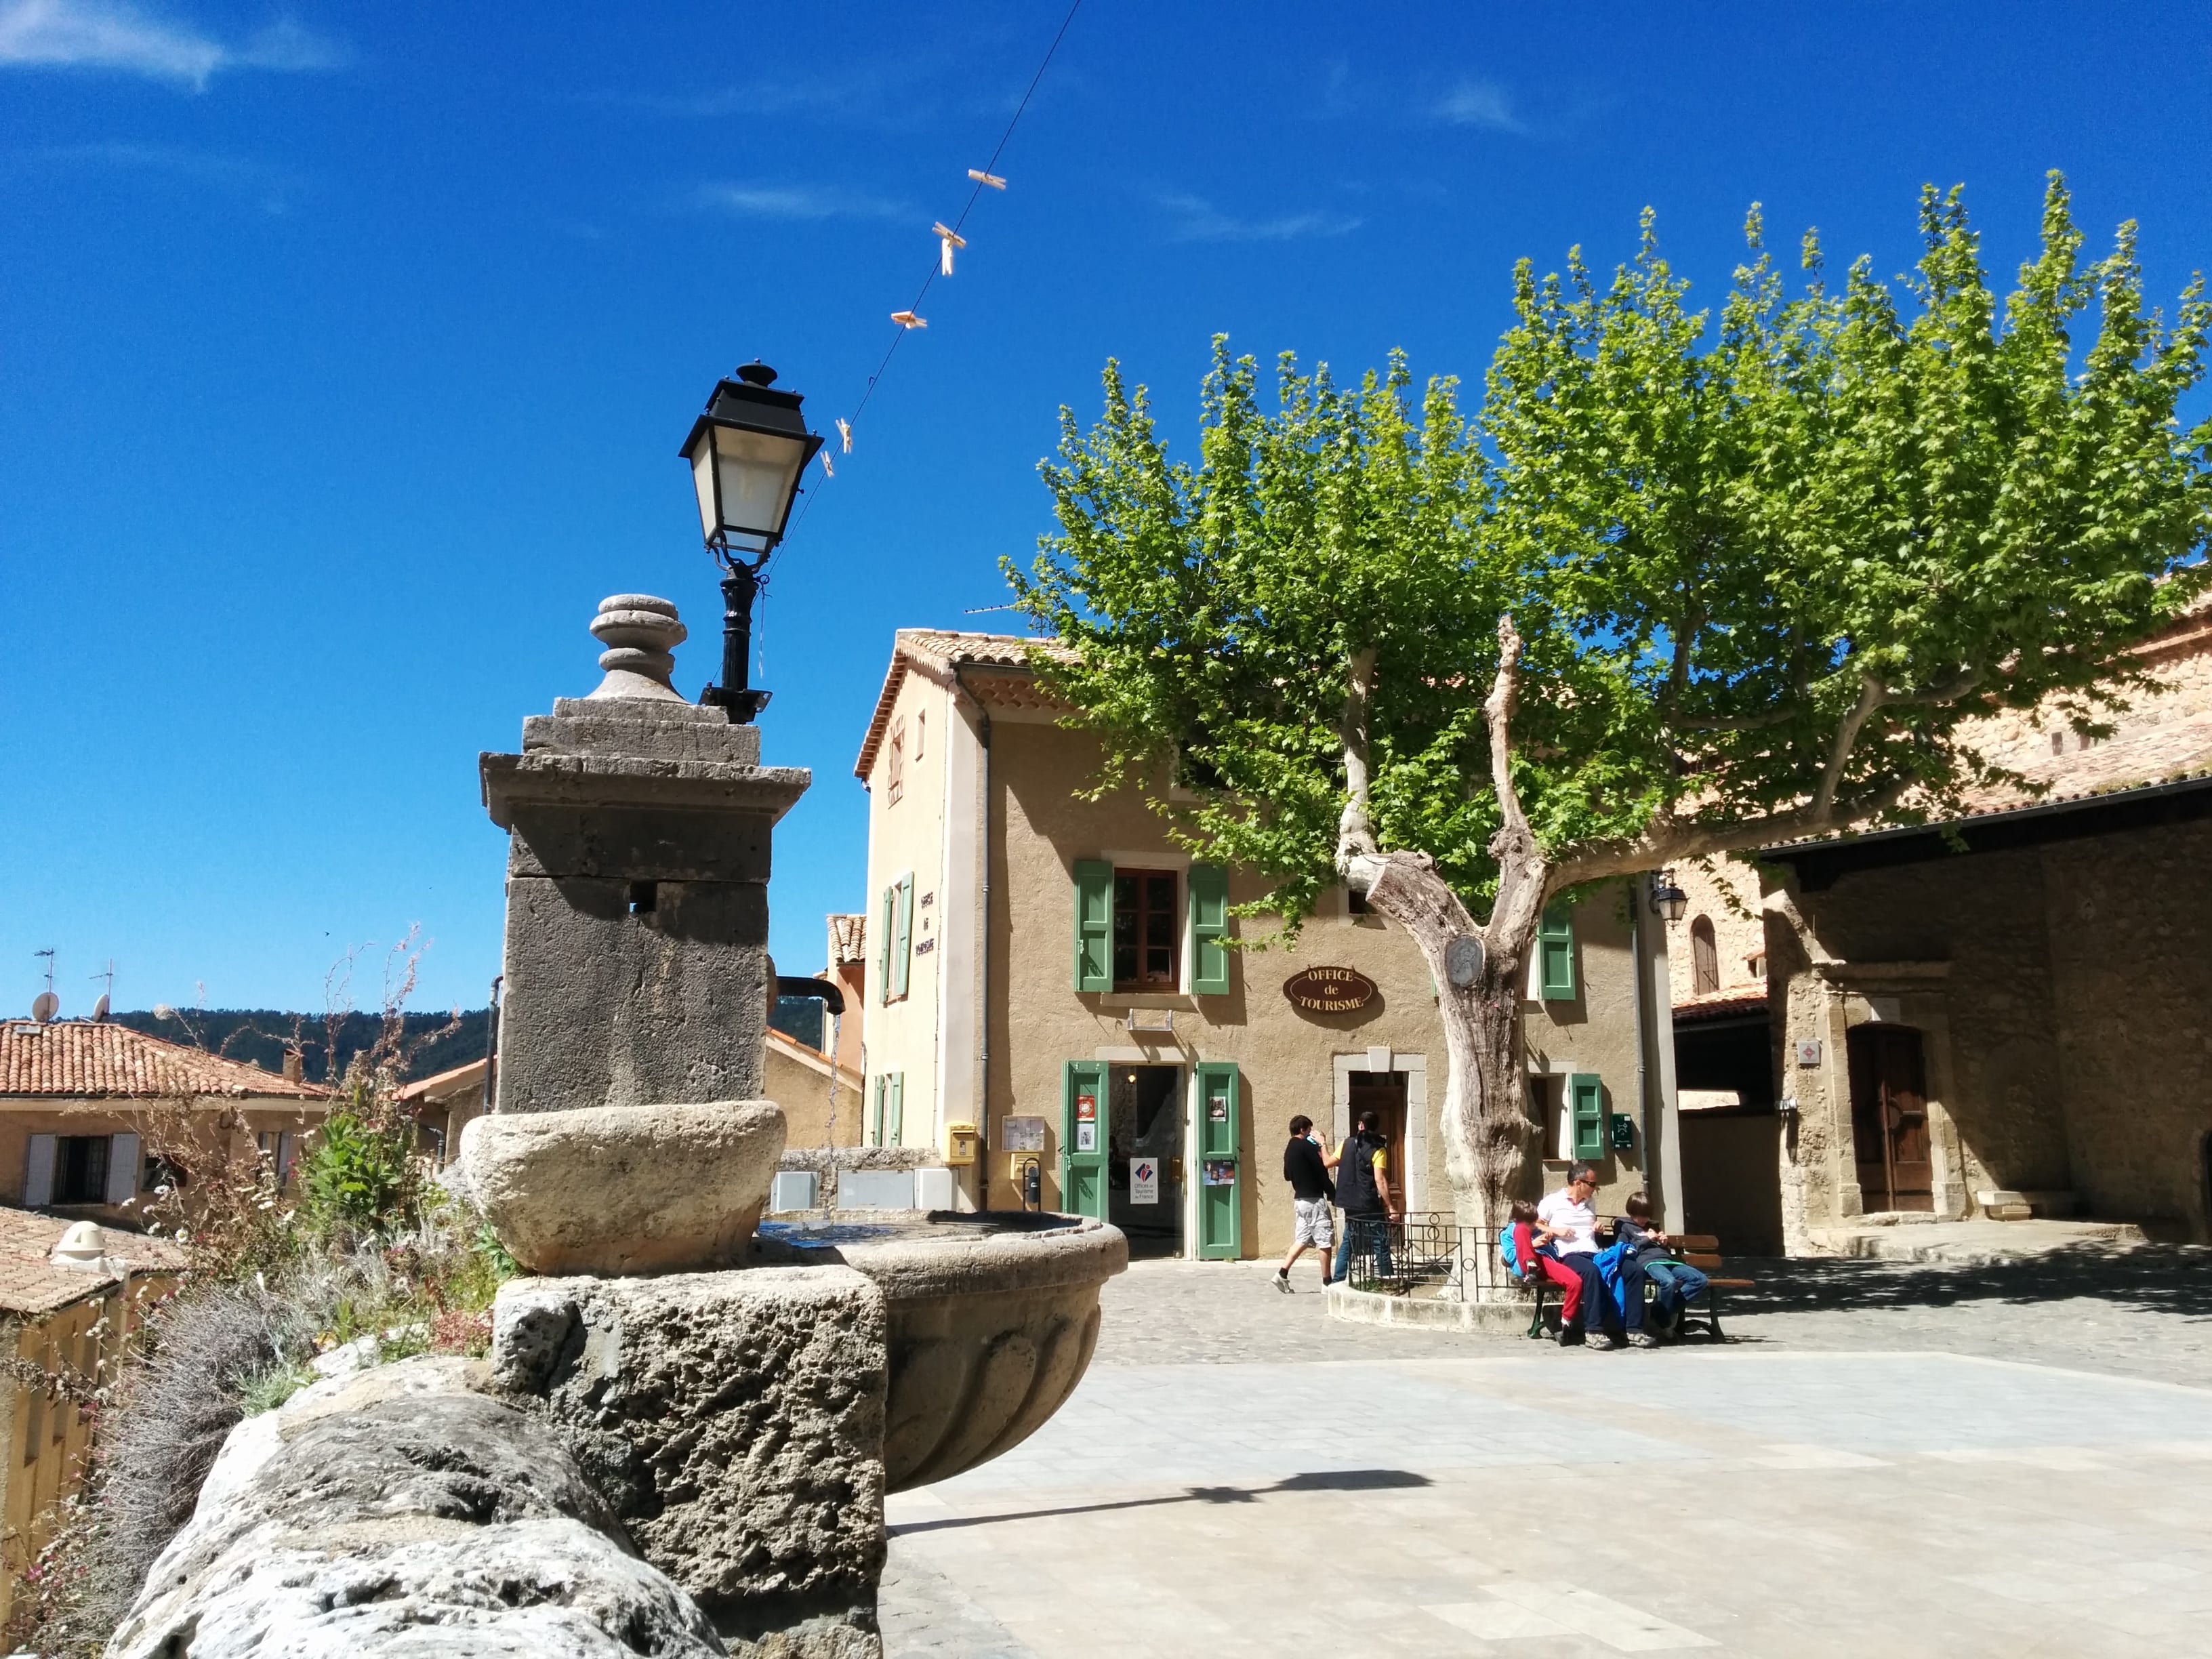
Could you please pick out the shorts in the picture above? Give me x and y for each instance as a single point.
(1315, 1225)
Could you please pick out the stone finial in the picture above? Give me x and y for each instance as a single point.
(640, 634)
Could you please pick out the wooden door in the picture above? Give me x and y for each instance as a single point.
(1384, 1094)
(1889, 1118)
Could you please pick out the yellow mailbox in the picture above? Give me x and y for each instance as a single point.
(959, 1143)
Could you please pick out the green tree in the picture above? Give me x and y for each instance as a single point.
(1676, 590)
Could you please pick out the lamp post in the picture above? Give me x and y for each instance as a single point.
(1668, 900)
(747, 452)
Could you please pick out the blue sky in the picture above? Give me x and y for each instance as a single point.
(344, 352)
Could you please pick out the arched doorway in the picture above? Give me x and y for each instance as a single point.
(1889, 1118)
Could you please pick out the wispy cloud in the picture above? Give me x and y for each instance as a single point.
(108, 34)
(268, 185)
(895, 94)
(798, 202)
(1478, 104)
(1195, 218)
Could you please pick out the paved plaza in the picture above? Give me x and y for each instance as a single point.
(1886, 1461)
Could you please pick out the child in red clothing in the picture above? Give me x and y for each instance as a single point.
(1528, 1234)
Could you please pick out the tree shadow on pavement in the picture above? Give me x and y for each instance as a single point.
(2159, 1279)
(1320, 1480)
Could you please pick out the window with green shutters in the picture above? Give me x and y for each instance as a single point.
(895, 1109)
(876, 1111)
(886, 931)
(1083, 1188)
(1094, 925)
(1209, 929)
(1555, 955)
(1586, 1108)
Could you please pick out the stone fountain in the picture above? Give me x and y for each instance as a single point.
(731, 1402)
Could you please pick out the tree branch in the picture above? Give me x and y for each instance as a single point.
(1871, 697)
(1355, 831)
(1678, 841)
(1522, 875)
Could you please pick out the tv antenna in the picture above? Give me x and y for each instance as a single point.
(45, 1004)
(99, 1009)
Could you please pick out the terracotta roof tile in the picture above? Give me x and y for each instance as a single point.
(848, 939)
(937, 653)
(31, 1284)
(1712, 1004)
(79, 1060)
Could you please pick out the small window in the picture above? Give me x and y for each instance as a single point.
(920, 731)
(2057, 743)
(81, 1169)
(1148, 930)
(1705, 957)
(894, 768)
(1355, 902)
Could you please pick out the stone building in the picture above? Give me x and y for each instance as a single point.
(80, 1102)
(1050, 978)
(2001, 1016)
(69, 1299)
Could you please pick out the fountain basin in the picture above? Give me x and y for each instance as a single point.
(992, 1316)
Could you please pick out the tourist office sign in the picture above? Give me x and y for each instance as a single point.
(1329, 990)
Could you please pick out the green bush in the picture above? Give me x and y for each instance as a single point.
(361, 1178)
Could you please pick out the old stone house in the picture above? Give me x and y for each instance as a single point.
(83, 1103)
(1052, 981)
(2001, 1016)
(65, 1314)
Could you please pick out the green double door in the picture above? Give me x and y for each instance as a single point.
(1122, 1156)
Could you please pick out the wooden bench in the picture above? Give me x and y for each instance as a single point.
(1699, 1250)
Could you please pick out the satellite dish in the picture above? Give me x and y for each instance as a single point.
(100, 1010)
(44, 1007)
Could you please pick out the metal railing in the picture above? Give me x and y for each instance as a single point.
(1423, 1251)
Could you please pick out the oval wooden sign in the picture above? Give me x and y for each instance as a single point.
(1329, 990)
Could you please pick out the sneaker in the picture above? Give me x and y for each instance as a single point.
(1283, 1282)
(1642, 1340)
(1569, 1336)
(1610, 1341)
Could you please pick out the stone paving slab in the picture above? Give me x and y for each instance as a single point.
(1237, 1477)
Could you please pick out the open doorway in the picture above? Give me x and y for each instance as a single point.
(1383, 1093)
(1143, 1163)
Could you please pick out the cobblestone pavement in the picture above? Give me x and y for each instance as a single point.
(1887, 1460)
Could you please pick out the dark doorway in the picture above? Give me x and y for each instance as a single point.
(1889, 1118)
(1144, 1137)
(1383, 1093)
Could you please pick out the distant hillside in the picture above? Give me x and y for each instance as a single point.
(257, 1036)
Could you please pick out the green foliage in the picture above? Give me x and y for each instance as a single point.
(360, 1177)
(1762, 571)
(271, 1388)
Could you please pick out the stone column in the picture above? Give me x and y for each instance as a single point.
(636, 967)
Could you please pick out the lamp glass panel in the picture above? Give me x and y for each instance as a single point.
(703, 481)
(757, 473)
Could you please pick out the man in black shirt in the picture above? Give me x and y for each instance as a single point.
(1306, 1171)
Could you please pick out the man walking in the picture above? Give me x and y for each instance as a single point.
(1312, 1191)
(1566, 1230)
(1363, 1189)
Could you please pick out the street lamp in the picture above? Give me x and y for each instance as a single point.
(747, 451)
(1668, 900)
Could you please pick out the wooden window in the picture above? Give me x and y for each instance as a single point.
(886, 936)
(920, 731)
(1148, 930)
(887, 1110)
(902, 948)
(81, 1169)
(1555, 955)
(1705, 957)
(1355, 903)
(1209, 930)
(895, 766)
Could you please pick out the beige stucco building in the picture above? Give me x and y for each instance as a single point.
(1049, 978)
(87, 1108)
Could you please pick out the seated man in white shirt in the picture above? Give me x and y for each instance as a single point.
(1566, 1230)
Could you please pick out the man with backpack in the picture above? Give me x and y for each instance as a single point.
(1312, 1191)
(1363, 1191)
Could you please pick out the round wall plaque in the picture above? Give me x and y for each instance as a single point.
(1329, 990)
(1463, 960)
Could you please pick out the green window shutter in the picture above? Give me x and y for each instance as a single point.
(1094, 925)
(1083, 1185)
(902, 951)
(1555, 955)
(1586, 1102)
(1209, 929)
(895, 1109)
(887, 926)
(876, 1112)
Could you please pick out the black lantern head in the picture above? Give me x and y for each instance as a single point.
(747, 452)
(1668, 900)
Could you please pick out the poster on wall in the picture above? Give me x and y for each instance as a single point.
(1221, 1172)
(1143, 1181)
(1087, 1137)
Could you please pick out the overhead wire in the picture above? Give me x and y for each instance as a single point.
(986, 178)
